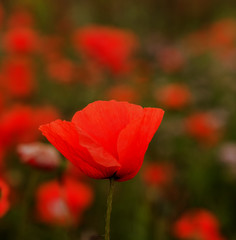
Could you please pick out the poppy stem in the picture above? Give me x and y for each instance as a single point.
(109, 207)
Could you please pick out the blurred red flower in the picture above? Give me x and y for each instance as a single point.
(219, 38)
(199, 224)
(173, 96)
(170, 59)
(18, 77)
(157, 174)
(122, 93)
(39, 155)
(4, 195)
(20, 40)
(63, 204)
(107, 138)
(19, 124)
(111, 47)
(203, 126)
(14, 125)
(222, 34)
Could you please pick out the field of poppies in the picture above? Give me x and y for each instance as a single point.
(117, 120)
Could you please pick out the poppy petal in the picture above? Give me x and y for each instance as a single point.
(103, 121)
(80, 149)
(133, 142)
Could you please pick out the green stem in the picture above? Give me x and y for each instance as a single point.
(109, 207)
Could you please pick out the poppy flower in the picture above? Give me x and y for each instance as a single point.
(4, 194)
(63, 204)
(156, 175)
(14, 125)
(222, 34)
(19, 124)
(173, 96)
(107, 139)
(199, 224)
(18, 77)
(39, 155)
(110, 47)
(20, 40)
(204, 127)
(218, 38)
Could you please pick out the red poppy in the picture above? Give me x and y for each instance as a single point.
(14, 125)
(4, 194)
(107, 138)
(109, 46)
(19, 124)
(173, 96)
(39, 155)
(199, 224)
(18, 77)
(21, 40)
(222, 34)
(219, 38)
(156, 174)
(203, 126)
(63, 204)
